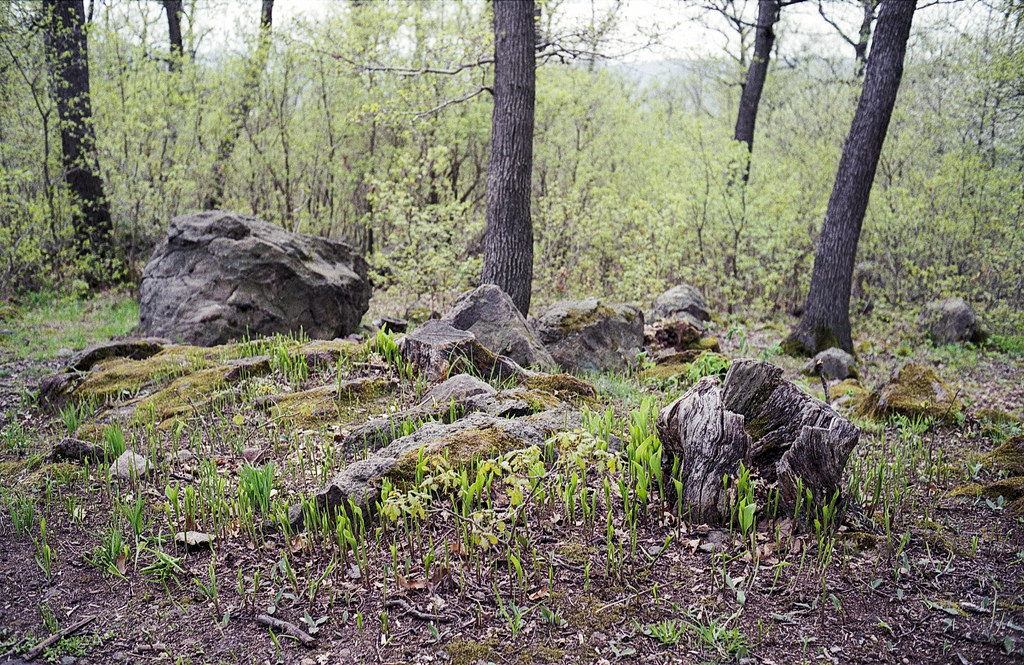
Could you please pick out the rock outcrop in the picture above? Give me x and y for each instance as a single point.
(590, 336)
(219, 276)
(489, 313)
(912, 390)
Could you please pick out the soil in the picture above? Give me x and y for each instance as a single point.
(940, 584)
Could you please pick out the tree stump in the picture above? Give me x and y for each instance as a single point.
(792, 441)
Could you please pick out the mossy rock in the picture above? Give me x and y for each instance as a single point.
(709, 344)
(459, 450)
(330, 403)
(1008, 457)
(564, 387)
(467, 652)
(850, 391)
(325, 353)
(913, 390)
(997, 417)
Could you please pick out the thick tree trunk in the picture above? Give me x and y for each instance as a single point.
(173, 10)
(826, 318)
(215, 196)
(764, 39)
(68, 58)
(508, 245)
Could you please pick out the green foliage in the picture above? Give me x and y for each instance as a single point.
(635, 181)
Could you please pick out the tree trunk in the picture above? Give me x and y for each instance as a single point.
(173, 10)
(860, 48)
(215, 197)
(746, 118)
(826, 318)
(68, 57)
(508, 244)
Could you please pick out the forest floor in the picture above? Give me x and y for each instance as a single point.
(917, 569)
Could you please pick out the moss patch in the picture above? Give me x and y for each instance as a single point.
(861, 541)
(561, 386)
(914, 390)
(577, 319)
(333, 403)
(458, 450)
(1008, 457)
(997, 417)
(464, 652)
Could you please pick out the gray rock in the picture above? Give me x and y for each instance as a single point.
(457, 388)
(130, 466)
(392, 324)
(474, 437)
(590, 336)
(832, 364)
(489, 313)
(219, 276)
(134, 349)
(682, 302)
(438, 350)
(950, 321)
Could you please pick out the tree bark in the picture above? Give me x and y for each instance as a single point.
(68, 57)
(826, 318)
(791, 441)
(215, 196)
(508, 244)
(173, 10)
(764, 39)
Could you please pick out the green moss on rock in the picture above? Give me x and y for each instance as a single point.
(561, 386)
(577, 319)
(914, 390)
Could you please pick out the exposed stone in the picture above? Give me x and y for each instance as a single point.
(589, 336)
(134, 349)
(756, 417)
(476, 437)
(219, 276)
(130, 466)
(456, 389)
(831, 363)
(950, 321)
(438, 350)
(489, 313)
(76, 450)
(55, 390)
(194, 539)
(392, 324)
(682, 302)
(912, 390)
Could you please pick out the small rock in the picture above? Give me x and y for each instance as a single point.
(912, 390)
(183, 456)
(832, 363)
(457, 388)
(68, 660)
(392, 324)
(130, 466)
(194, 539)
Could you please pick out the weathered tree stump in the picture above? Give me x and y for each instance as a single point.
(789, 439)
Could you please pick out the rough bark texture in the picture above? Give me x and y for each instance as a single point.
(508, 245)
(789, 439)
(826, 317)
(215, 197)
(173, 10)
(68, 57)
(710, 444)
(764, 38)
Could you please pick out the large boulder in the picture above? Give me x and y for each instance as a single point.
(682, 302)
(219, 276)
(489, 313)
(950, 321)
(590, 336)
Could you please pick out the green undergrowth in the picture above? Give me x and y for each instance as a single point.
(47, 323)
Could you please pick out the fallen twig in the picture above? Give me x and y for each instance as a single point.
(415, 613)
(287, 627)
(70, 630)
